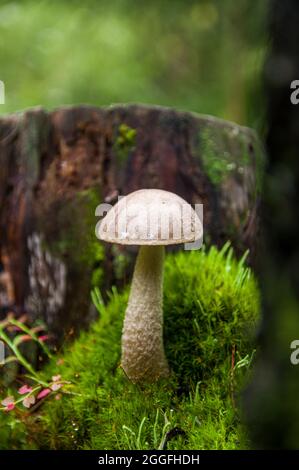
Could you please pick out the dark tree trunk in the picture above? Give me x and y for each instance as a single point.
(56, 167)
(271, 402)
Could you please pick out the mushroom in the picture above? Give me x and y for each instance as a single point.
(151, 218)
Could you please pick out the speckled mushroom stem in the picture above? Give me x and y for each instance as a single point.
(143, 357)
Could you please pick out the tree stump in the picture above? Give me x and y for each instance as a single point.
(56, 167)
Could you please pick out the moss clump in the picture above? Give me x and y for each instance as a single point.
(76, 222)
(124, 142)
(211, 306)
(225, 151)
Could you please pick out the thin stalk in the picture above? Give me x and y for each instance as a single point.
(32, 335)
(17, 353)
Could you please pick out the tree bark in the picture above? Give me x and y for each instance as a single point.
(271, 401)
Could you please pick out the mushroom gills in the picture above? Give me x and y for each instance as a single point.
(143, 356)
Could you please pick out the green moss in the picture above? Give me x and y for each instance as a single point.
(76, 221)
(72, 237)
(225, 150)
(124, 142)
(13, 433)
(211, 306)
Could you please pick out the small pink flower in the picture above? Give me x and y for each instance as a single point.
(29, 401)
(58, 396)
(56, 387)
(8, 403)
(56, 378)
(24, 389)
(44, 393)
(8, 400)
(43, 338)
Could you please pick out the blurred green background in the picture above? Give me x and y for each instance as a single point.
(204, 56)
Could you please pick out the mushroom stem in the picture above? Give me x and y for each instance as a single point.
(143, 357)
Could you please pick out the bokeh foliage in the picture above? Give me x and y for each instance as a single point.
(200, 55)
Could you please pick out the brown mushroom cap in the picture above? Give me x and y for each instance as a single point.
(151, 217)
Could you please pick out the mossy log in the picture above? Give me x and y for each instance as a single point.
(56, 167)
